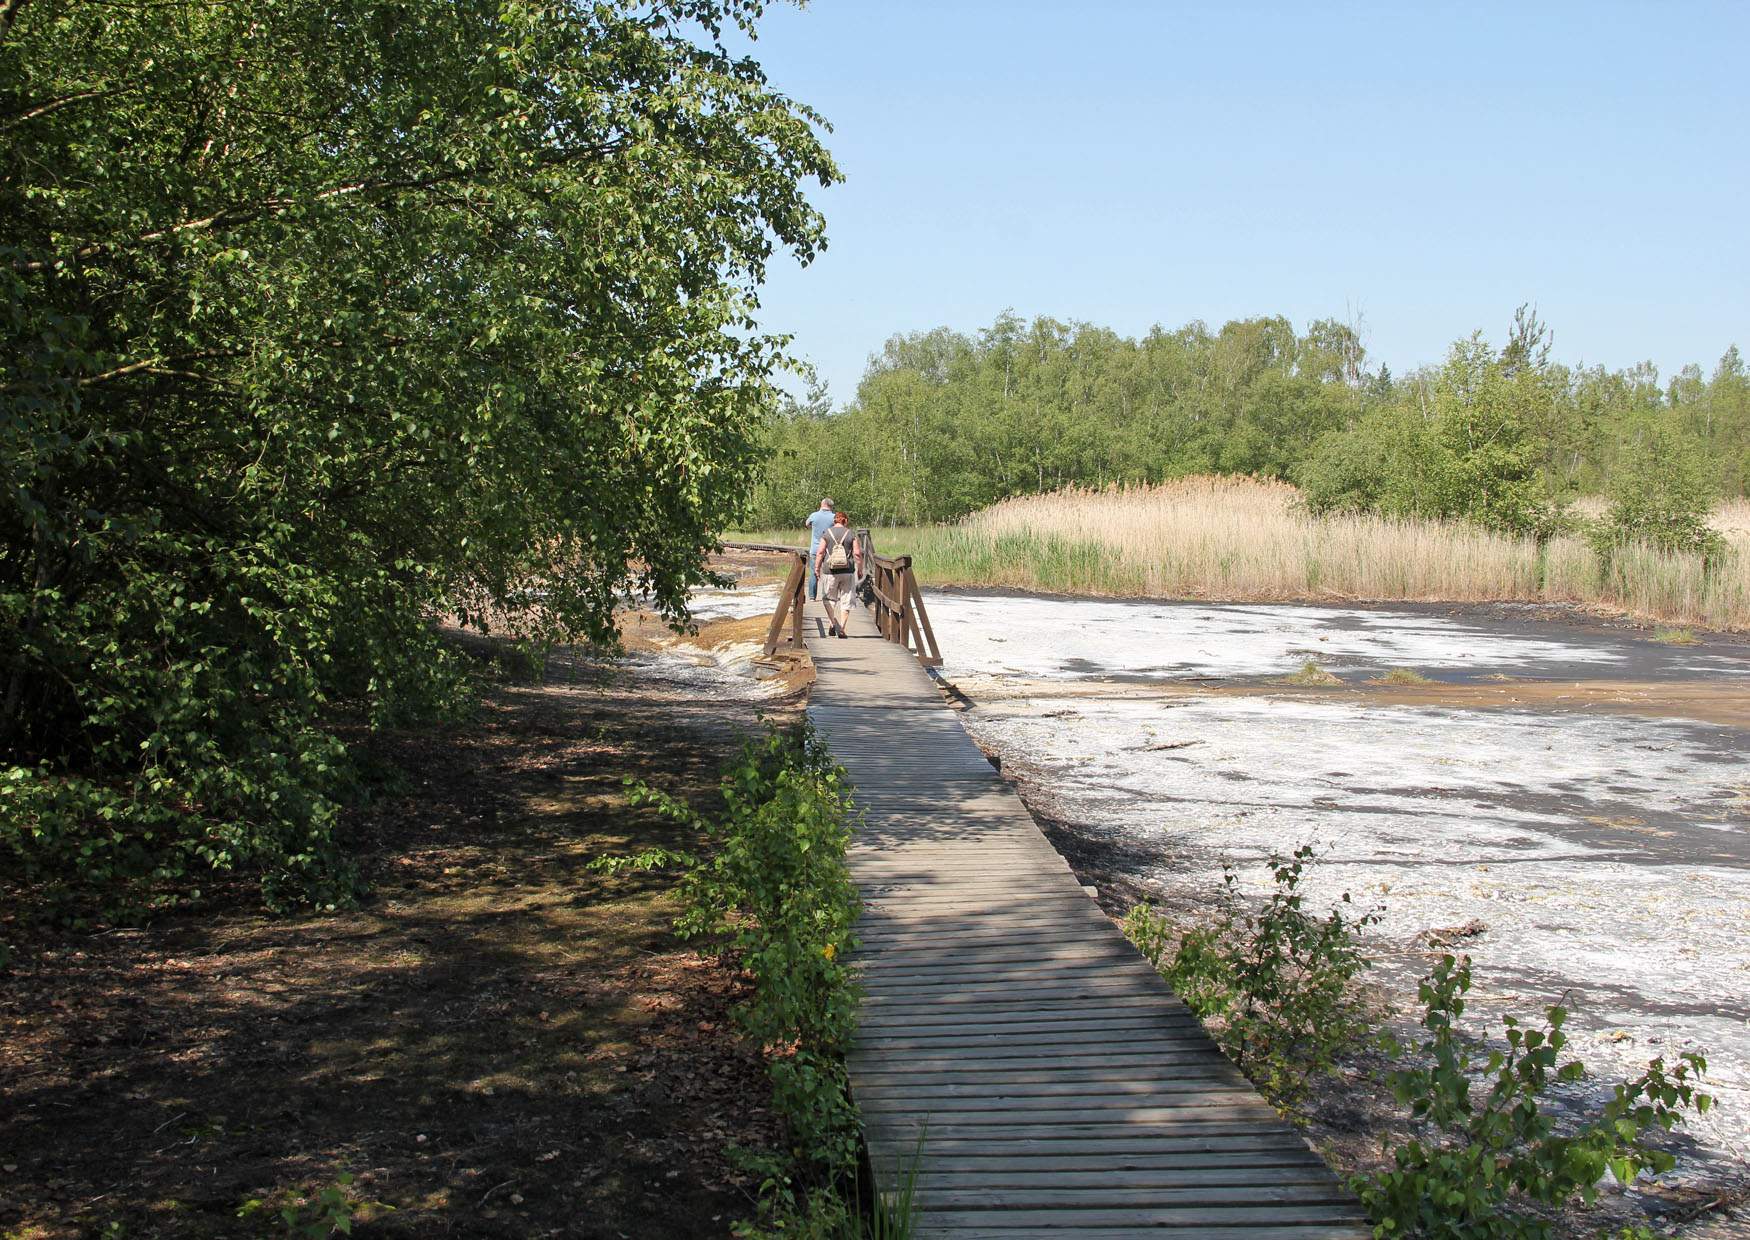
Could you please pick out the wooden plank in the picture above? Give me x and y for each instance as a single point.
(1026, 1042)
(1193, 1061)
(1195, 1108)
(1099, 1025)
(1192, 1115)
(1157, 1083)
(1080, 952)
(930, 654)
(1133, 1196)
(912, 990)
(1025, 1002)
(1068, 1081)
(967, 960)
(876, 922)
(1000, 975)
(1199, 1218)
(1061, 1142)
(1242, 1231)
(1021, 1013)
(1028, 1170)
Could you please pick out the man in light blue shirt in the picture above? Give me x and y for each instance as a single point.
(818, 523)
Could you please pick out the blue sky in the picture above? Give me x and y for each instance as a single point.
(1424, 168)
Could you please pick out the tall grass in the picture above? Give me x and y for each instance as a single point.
(1247, 540)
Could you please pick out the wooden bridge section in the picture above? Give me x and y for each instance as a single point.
(896, 603)
(1043, 1080)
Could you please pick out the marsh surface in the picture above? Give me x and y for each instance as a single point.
(1579, 791)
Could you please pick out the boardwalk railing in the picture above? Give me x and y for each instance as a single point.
(893, 590)
(899, 608)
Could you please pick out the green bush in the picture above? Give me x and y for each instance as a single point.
(1490, 1153)
(771, 887)
(1277, 983)
(1660, 495)
(1456, 444)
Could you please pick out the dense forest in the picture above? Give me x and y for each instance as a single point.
(944, 423)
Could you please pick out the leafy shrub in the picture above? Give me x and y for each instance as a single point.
(1456, 445)
(1485, 1154)
(1660, 495)
(1277, 983)
(771, 887)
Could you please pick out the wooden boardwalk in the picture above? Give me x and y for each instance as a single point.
(1057, 1086)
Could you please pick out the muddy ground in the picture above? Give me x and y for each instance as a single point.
(499, 1042)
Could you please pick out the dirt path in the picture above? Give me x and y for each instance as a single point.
(499, 1043)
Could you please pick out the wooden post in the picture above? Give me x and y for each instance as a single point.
(929, 654)
(789, 602)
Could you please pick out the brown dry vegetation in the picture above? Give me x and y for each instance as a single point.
(500, 1043)
(1244, 539)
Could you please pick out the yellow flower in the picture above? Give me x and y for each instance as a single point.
(829, 951)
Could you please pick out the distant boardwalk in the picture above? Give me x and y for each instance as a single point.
(1058, 1086)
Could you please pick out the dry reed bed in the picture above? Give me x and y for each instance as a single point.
(1244, 539)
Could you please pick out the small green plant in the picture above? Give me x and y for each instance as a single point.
(1403, 676)
(1486, 1154)
(790, 1209)
(771, 889)
(330, 1211)
(1277, 984)
(1675, 637)
(1311, 675)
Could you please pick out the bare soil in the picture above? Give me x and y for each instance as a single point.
(498, 1043)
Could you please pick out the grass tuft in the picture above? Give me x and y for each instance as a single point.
(1675, 637)
(1311, 675)
(1403, 676)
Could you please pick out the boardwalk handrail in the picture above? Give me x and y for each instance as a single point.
(897, 604)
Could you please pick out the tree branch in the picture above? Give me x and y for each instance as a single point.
(148, 365)
(231, 217)
(53, 105)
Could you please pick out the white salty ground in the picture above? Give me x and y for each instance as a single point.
(727, 671)
(1054, 638)
(734, 604)
(1605, 854)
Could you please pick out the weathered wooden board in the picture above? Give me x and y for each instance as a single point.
(1014, 1051)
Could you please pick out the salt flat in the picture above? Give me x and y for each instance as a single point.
(1606, 854)
(1072, 639)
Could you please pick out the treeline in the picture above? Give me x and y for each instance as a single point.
(944, 423)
